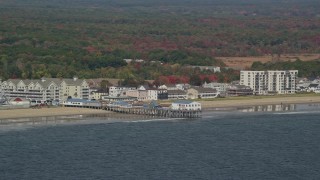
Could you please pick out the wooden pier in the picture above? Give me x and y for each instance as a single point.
(169, 113)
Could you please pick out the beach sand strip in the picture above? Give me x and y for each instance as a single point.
(43, 112)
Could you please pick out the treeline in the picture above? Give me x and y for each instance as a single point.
(33, 63)
(90, 38)
(135, 74)
(309, 69)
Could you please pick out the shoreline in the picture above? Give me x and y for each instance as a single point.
(232, 103)
(206, 105)
(48, 112)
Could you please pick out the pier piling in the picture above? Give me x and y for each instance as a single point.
(169, 113)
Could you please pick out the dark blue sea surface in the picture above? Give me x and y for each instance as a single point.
(220, 145)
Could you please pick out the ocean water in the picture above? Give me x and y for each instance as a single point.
(234, 144)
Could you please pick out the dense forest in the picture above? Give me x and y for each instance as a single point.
(309, 69)
(90, 38)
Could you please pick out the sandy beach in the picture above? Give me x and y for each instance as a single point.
(216, 103)
(57, 111)
(263, 101)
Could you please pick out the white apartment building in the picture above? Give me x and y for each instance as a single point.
(46, 89)
(75, 88)
(265, 82)
(30, 89)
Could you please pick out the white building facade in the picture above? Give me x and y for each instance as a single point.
(185, 105)
(220, 87)
(266, 82)
(46, 89)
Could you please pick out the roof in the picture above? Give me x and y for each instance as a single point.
(170, 85)
(313, 85)
(176, 92)
(154, 104)
(97, 82)
(14, 81)
(57, 81)
(183, 102)
(77, 82)
(27, 82)
(47, 81)
(146, 87)
(17, 99)
(239, 87)
(121, 103)
(81, 100)
(150, 81)
(119, 97)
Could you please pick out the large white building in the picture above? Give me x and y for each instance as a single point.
(46, 89)
(265, 82)
(185, 105)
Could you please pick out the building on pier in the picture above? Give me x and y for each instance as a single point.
(82, 103)
(185, 105)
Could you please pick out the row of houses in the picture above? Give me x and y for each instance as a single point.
(306, 85)
(251, 82)
(55, 89)
(144, 93)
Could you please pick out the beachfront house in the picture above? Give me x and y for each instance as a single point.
(239, 90)
(202, 93)
(155, 93)
(177, 94)
(303, 85)
(314, 88)
(185, 105)
(220, 87)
